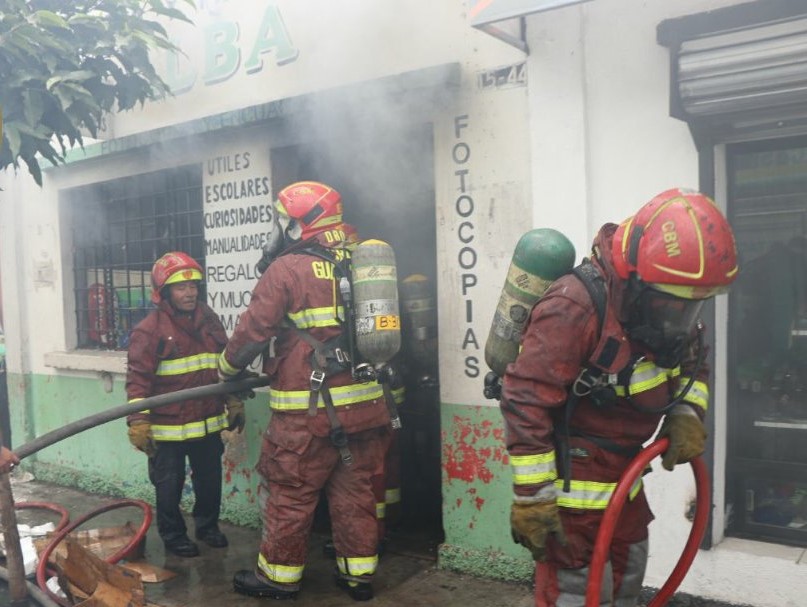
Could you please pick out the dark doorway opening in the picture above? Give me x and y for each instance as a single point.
(387, 185)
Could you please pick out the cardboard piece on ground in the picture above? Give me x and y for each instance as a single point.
(81, 573)
(150, 574)
(102, 542)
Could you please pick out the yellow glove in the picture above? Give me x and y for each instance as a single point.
(532, 523)
(687, 438)
(141, 438)
(235, 414)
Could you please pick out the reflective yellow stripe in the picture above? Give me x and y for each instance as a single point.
(357, 565)
(533, 469)
(188, 364)
(590, 495)
(134, 400)
(317, 317)
(380, 510)
(226, 368)
(392, 496)
(189, 430)
(698, 394)
(398, 395)
(283, 574)
(296, 400)
(647, 376)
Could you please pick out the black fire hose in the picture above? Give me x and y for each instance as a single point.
(152, 402)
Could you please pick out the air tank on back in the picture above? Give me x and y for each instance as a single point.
(540, 257)
(375, 301)
(419, 318)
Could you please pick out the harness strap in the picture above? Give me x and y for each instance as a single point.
(608, 445)
(395, 419)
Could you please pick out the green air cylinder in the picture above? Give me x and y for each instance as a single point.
(541, 256)
(375, 301)
(419, 319)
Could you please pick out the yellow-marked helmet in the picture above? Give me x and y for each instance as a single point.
(171, 268)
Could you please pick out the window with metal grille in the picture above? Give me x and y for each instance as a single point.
(120, 228)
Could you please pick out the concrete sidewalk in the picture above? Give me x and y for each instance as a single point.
(407, 574)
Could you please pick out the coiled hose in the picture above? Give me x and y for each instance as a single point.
(614, 509)
(41, 570)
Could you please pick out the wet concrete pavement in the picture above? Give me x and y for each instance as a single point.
(407, 574)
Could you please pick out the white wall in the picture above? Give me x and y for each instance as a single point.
(602, 145)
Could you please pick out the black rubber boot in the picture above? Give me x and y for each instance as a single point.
(182, 546)
(212, 537)
(248, 583)
(358, 591)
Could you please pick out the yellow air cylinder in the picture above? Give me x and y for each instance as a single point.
(375, 301)
(540, 257)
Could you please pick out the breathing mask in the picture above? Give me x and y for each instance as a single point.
(662, 323)
(285, 232)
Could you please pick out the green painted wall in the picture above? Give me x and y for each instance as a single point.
(475, 471)
(101, 460)
(477, 493)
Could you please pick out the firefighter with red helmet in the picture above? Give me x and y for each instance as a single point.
(177, 347)
(327, 430)
(586, 392)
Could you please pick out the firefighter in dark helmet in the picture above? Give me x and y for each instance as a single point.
(585, 393)
(327, 430)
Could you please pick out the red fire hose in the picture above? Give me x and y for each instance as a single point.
(41, 569)
(614, 509)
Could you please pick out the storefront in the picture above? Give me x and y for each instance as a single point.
(450, 143)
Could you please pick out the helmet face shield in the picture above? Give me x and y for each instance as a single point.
(667, 313)
(663, 324)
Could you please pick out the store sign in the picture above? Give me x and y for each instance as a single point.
(238, 215)
(483, 12)
(221, 45)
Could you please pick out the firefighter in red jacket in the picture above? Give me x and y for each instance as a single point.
(176, 347)
(584, 395)
(327, 430)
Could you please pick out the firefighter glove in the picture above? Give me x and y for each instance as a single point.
(141, 437)
(532, 524)
(687, 438)
(235, 414)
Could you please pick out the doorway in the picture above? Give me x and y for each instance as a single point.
(387, 186)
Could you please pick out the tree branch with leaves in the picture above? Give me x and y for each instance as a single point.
(64, 66)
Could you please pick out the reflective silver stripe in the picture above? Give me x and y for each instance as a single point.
(380, 510)
(317, 317)
(188, 364)
(590, 495)
(533, 469)
(283, 574)
(190, 430)
(226, 367)
(358, 565)
(698, 394)
(295, 400)
(647, 376)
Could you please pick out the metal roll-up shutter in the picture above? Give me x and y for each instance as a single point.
(756, 71)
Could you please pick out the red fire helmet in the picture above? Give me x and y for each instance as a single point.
(315, 206)
(679, 243)
(172, 268)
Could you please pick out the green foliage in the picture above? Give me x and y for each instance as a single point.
(65, 65)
